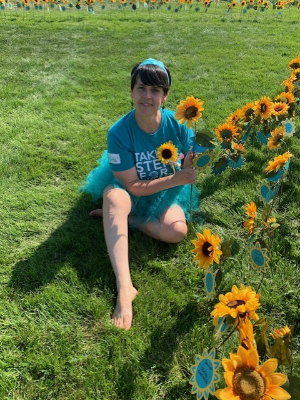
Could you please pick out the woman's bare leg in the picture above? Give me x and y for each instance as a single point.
(116, 208)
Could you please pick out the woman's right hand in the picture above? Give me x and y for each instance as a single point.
(185, 176)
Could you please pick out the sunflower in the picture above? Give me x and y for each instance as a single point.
(206, 248)
(281, 333)
(189, 110)
(247, 380)
(288, 83)
(277, 137)
(167, 153)
(226, 132)
(295, 63)
(280, 108)
(278, 162)
(237, 303)
(249, 224)
(286, 97)
(247, 111)
(263, 107)
(251, 209)
(239, 147)
(234, 117)
(234, 4)
(243, 3)
(295, 75)
(245, 328)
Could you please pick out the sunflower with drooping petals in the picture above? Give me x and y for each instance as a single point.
(251, 209)
(247, 380)
(167, 153)
(189, 110)
(249, 224)
(278, 162)
(281, 333)
(245, 328)
(295, 75)
(288, 84)
(226, 132)
(277, 136)
(234, 117)
(239, 147)
(206, 248)
(263, 107)
(239, 302)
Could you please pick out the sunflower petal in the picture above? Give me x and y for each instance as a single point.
(276, 379)
(268, 367)
(277, 393)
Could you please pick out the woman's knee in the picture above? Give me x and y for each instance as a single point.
(176, 232)
(116, 199)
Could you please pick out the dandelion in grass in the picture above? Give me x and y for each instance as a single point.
(281, 333)
(206, 248)
(167, 153)
(237, 303)
(247, 380)
(263, 107)
(189, 110)
(278, 162)
(226, 132)
(276, 139)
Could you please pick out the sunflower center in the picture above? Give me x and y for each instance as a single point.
(248, 384)
(205, 249)
(191, 112)
(166, 154)
(226, 134)
(235, 303)
(263, 108)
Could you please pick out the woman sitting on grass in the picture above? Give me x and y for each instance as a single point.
(141, 179)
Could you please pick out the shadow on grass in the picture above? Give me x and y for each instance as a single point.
(79, 243)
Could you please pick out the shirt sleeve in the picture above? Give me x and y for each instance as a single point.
(120, 156)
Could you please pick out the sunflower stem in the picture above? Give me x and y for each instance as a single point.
(191, 194)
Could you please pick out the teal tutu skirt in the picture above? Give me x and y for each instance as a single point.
(146, 208)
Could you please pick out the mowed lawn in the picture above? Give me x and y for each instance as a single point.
(64, 79)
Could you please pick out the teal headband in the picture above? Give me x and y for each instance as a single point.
(152, 61)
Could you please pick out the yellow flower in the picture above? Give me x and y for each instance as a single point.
(206, 248)
(251, 209)
(226, 132)
(234, 3)
(247, 380)
(281, 333)
(295, 75)
(238, 147)
(286, 97)
(278, 162)
(239, 302)
(189, 110)
(167, 153)
(234, 117)
(276, 139)
(295, 63)
(288, 83)
(249, 224)
(263, 107)
(245, 328)
(280, 108)
(247, 111)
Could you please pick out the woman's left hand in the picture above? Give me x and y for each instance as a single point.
(188, 160)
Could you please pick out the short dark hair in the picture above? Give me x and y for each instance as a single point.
(151, 75)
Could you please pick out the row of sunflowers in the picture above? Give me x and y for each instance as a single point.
(243, 5)
(270, 121)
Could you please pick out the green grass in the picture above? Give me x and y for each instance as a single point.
(64, 80)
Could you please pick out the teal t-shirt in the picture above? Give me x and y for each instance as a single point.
(128, 146)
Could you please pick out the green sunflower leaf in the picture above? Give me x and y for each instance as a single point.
(205, 138)
(282, 353)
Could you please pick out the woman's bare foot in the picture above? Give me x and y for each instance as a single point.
(122, 316)
(97, 213)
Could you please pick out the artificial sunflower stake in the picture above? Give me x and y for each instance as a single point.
(189, 111)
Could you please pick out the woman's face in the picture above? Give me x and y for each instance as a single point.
(147, 99)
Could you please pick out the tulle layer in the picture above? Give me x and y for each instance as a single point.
(145, 208)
